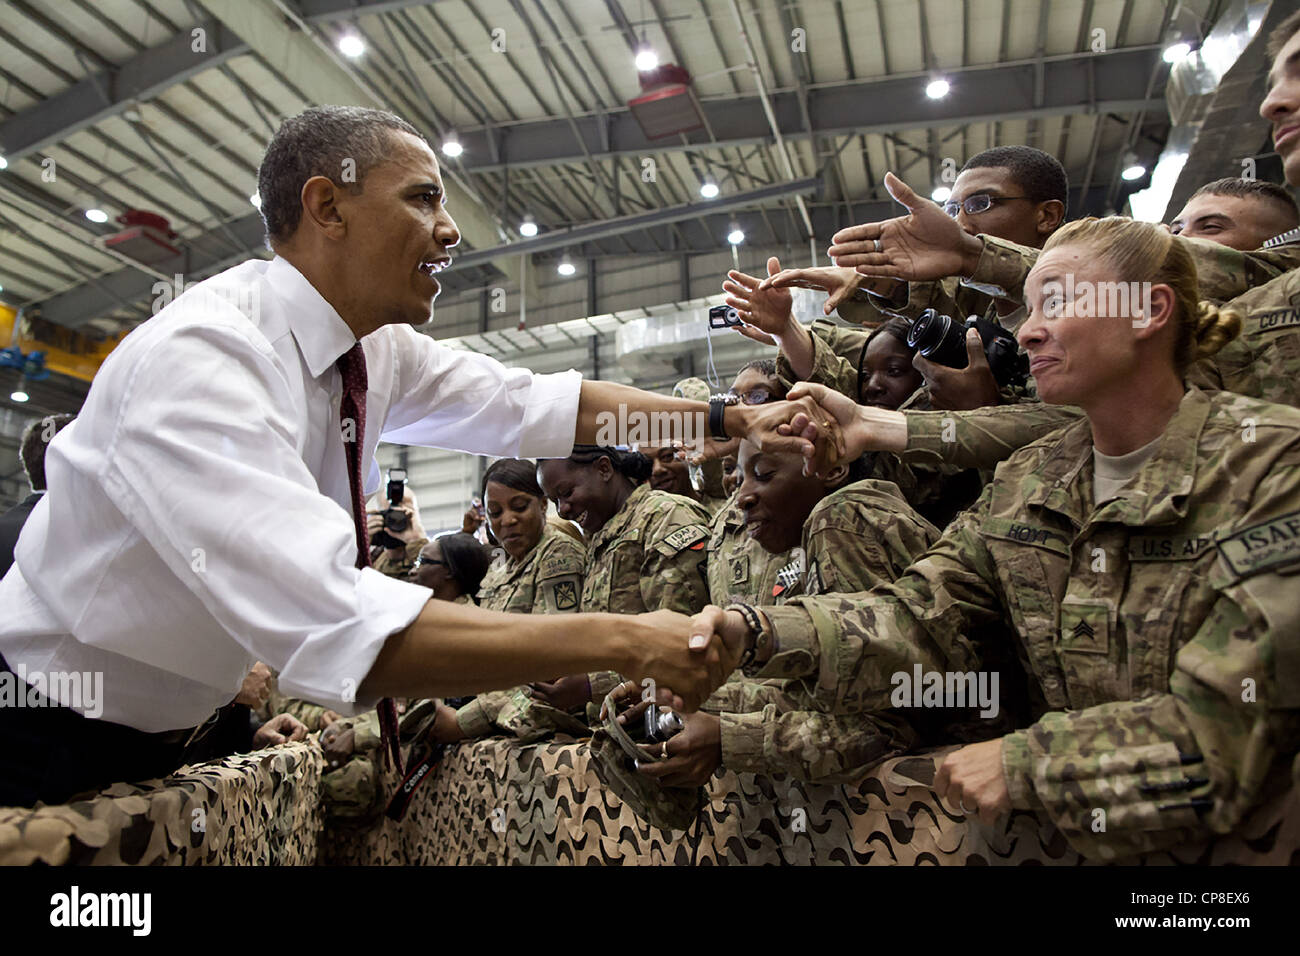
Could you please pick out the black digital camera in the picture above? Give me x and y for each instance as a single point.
(395, 519)
(942, 340)
(724, 317)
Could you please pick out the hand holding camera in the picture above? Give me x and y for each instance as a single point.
(966, 370)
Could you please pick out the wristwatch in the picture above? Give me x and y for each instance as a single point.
(717, 405)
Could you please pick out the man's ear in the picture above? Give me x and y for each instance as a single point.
(320, 206)
(1050, 216)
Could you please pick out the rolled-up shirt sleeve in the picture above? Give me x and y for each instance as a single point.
(205, 463)
(464, 401)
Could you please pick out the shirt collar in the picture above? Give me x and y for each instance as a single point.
(1157, 494)
(319, 330)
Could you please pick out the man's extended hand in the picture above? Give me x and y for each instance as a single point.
(925, 244)
(961, 389)
(681, 654)
(971, 780)
(256, 687)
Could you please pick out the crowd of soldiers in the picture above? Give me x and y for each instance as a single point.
(1116, 535)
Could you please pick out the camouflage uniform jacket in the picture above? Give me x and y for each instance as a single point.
(1160, 629)
(862, 535)
(741, 571)
(1264, 360)
(648, 556)
(547, 580)
(1221, 273)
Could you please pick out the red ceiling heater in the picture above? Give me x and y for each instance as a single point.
(146, 238)
(668, 105)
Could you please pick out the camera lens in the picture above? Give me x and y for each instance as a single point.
(938, 338)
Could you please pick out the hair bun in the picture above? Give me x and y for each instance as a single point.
(1215, 328)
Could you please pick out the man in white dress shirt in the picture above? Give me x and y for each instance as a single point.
(199, 515)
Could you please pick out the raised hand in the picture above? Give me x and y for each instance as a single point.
(925, 244)
(769, 309)
(839, 283)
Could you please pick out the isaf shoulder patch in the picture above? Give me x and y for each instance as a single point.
(693, 536)
(1263, 547)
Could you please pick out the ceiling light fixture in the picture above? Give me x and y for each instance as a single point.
(937, 89)
(351, 45)
(528, 228)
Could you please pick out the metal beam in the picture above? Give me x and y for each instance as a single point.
(204, 255)
(876, 106)
(640, 221)
(149, 73)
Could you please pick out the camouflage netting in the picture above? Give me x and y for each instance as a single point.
(259, 808)
(494, 801)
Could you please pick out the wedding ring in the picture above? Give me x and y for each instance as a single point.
(877, 241)
(967, 810)
(663, 753)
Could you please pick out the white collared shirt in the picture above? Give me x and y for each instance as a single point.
(198, 514)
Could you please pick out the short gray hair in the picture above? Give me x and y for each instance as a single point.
(317, 142)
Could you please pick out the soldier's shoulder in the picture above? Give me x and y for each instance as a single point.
(664, 506)
(560, 554)
(1232, 412)
(866, 502)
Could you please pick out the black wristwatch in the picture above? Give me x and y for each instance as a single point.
(717, 406)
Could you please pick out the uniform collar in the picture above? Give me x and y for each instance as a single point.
(1158, 493)
(615, 525)
(319, 330)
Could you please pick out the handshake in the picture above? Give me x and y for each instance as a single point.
(684, 659)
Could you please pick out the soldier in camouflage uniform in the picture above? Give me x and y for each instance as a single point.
(739, 568)
(645, 548)
(1156, 619)
(539, 571)
(853, 537)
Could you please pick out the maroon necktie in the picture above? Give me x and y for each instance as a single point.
(352, 367)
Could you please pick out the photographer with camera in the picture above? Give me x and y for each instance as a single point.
(393, 525)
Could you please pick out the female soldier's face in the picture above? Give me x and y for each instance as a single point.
(888, 377)
(775, 497)
(582, 493)
(516, 518)
(1077, 351)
